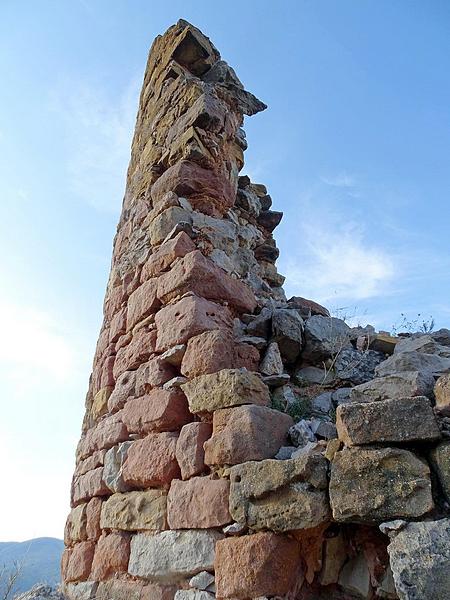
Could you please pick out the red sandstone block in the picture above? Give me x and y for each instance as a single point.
(138, 351)
(93, 512)
(159, 410)
(103, 373)
(198, 503)
(105, 434)
(210, 191)
(79, 563)
(189, 451)
(192, 315)
(65, 558)
(115, 298)
(262, 564)
(152, 374)
(213, 351)
(91, 462)
(142, 302)
(118, 325)
(198, 274)
(151, 461)
(102, 343)
(89, 485)
(166, 254)
(111, 555)
(246, 433)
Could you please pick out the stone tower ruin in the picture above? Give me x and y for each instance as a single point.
(238, 445)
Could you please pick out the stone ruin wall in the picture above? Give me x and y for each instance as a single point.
(237, 445)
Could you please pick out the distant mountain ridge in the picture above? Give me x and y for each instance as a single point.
(40, 559)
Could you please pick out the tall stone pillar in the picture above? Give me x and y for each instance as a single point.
(200, 369)
(175, 395)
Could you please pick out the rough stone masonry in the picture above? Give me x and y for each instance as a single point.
(238, 445)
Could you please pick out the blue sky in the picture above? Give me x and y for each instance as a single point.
(354, 148)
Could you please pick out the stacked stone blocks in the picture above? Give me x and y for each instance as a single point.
(192, 479)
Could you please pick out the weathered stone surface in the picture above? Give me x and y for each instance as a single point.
(260, 325)
(323, 428)
(166, 254)
(151, 461)
(422, 343)
(263, 564)
(159, 410)
(420, 556)
(86, 486)
(100, 404)
(325, 337)
(192, 315)
(401, 420)
(322, 403)
(142, 302)
(163, 223)
(75, 529)
(226, 388)
(301, 433)
(442, 394)
(193, 595)
(269, 219)
(111, 555)
(440, 457)
(138, 351)
(123, 390)
(317, 375)
(215, 350)
(287, 331)
(93, 512)
(246, 433)
(197, 273)
(95, 460)
(370, 485)
(133, 511)
(107, 433)
(171, 556)
(381, 342)
(174, 355)
(355, 577)
(202, 581)
(83, 590)
(189, 451)
(199, 503)
(119, 589)
(413, 361)
(152, 374)
(307, 308)
(214, 192)
(401, 385)
(80, 561)
(333, 559)
(280, 495)
(112, 471)
(272, 363)
(355, 366)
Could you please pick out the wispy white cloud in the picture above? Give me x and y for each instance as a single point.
(337, 263)
(32, 341)
(341, 180)
(333, 260)
(99, 129)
